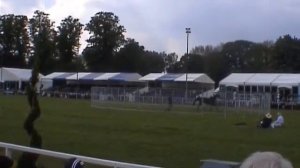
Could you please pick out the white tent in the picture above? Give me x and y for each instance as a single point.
(78, 75)
(16, 75)
(106, 76)
(261, 79)
(287, 81)
(236, 79)
(195, 77)
(282, 86)
(190, 77)
(151, 76)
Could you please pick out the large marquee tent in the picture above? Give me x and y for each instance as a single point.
(194, 80)
(261, 79)
(15, 78)
(91, 78)
(279, 84)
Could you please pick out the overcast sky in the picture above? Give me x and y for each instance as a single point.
(160, 24)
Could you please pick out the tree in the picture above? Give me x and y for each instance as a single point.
(43, 37)
(170, 60)
(68, 43)
(258, 58)
(214, 65)
(129, 58)
(234, 54)
(106, 37)
(152, 62)
(287, 54)
(202, 50)
(14, 39)
(194, 63)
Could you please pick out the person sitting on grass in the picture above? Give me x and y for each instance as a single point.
(266, 121)
(279, 121)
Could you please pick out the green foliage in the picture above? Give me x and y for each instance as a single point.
(287, 54)
(170, 60)
(133, 58)
(68, 43)
(148, 135)
(14, 40)
(129, 58)
(152, 62)
(106, 37)
(43, 37)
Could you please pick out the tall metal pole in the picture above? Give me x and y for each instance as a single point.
(187, 31)
(77, 83)
(2, 55)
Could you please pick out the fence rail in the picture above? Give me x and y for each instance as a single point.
(9, 148)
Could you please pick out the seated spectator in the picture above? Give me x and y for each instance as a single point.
(266, 160)
(74, 163)
(266, 121)
(279, 121)
(6, 162)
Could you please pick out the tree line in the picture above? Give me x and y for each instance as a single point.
(107, 50)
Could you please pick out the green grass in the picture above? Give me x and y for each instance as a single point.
(149, 135)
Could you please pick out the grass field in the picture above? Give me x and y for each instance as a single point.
(172, 139)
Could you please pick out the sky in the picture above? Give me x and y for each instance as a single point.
(159, 25)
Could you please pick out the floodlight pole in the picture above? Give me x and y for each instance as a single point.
(2, 59)
(187, 31)
(77, 84)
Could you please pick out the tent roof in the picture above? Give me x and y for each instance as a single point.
(126, 77)
(115, 76)
(151, 76)
(262, 79)
(16, 74)
(236, 79)
(287, 80)
(178, 77)
(78, 75)
(90, 76)
(169, 77)
(195, 77)
(53, 75)
(106, 76)
(63, 76)
(259, 79)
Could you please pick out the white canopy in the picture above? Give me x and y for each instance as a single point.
(236, 79)
(151, 77)
(15, 74)
(190, 77)
(106, 76)
(287, 80)
(195, 77)
(53, 75)
(262, 79)
(78, 75)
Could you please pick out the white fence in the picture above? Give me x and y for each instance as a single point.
(260, 102)
(9, 148)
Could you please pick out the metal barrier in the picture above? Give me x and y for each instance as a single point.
(115, 164)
